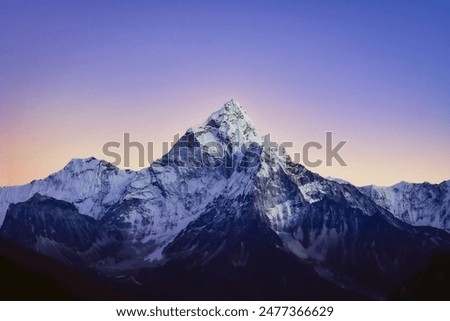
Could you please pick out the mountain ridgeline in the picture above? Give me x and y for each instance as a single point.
(244, 222)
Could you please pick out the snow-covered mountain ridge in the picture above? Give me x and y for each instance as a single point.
(91, 185)
(194, 210)
(419, 204)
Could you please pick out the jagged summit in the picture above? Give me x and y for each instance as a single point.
(232, 106)
(229, 124)
(77, 164)
(256, 219)
(231, 109)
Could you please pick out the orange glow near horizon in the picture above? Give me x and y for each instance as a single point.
(34, 151)
(75, 75)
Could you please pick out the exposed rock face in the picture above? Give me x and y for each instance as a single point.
(212, 216)
(52, 227)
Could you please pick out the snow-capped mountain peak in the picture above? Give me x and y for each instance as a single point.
(230, 124)
(92, 185)
(83, 162)
(78, 165)
(249, 209)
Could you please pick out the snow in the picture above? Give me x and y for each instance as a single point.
(293, 245)
(234, 126)
(280, 214)
(337, 180)
(156, 255)
(422, 204)
(313, 191)
(161, 201)
(90, 184)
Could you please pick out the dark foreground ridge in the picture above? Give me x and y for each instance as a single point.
(28, 275)
(433, 283)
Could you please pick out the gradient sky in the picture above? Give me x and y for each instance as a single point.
(76, 74)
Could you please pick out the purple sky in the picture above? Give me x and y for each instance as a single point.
(74, 75)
